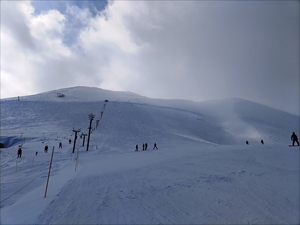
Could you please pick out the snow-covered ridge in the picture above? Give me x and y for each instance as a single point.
(225, 121)
(78, 94)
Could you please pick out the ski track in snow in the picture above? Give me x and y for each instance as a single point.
(202, 172)
(162, 192)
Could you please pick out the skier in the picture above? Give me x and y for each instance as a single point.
(146, 145)
(294, 138)
(60, 145)
(155, 146)
(19, 152)
(70, 141)
(136, 148)
(262, 141)
(143, 147)
(247, 142)
(46, 149)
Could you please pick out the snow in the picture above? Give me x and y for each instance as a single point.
(201, 173)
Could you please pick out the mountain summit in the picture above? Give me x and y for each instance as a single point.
(129, 116)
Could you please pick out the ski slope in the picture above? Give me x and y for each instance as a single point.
(201, 173)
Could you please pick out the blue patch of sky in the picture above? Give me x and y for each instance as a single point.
(93, 5)
(72, 24)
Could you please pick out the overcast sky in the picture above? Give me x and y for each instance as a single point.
(196, 50)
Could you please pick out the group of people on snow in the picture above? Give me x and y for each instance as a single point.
(45, 150)
(261, 141)
(145, 146)
(294, 138)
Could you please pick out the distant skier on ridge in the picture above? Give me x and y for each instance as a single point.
(294, 138)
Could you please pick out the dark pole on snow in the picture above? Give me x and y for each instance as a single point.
(75, 137)
(49, 173)
(91, 117)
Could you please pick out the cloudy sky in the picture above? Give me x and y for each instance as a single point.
(196, 50)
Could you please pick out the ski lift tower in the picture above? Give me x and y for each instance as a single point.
(91, 117)
(75, 138)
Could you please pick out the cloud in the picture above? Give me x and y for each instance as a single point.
(192, 50)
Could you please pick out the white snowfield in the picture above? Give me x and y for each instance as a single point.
(202, 172)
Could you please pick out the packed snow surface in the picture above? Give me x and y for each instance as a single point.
(202, 172)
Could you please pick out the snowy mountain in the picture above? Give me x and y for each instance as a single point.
(202, 172)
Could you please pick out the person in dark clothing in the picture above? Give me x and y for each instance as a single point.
(247, 142)
(46, 149)
(70, 141)
(143, 147)
(294, 138)
(19, 152)
(155, 146)
(136, 148)
(262, 141)
(60, 145)
(146, 146)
